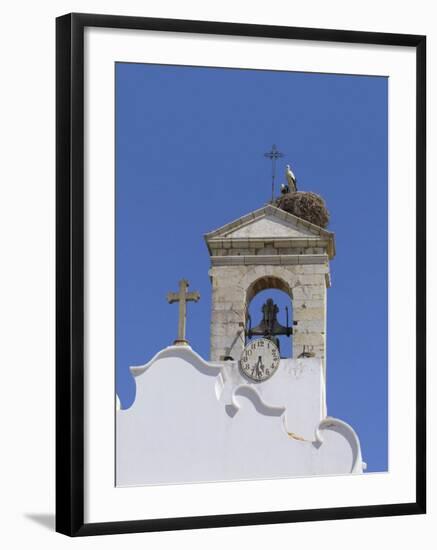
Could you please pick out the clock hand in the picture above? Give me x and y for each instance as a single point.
(259, 366)
(255, 367)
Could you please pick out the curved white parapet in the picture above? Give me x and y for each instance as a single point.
(329, 426)
(195, 421)
(251, 393)
(183, 352)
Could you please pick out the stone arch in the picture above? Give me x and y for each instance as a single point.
(235, 285)
(262, 277)
(266, 282)
(270, 282)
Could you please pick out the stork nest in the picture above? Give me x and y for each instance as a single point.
(306, 205)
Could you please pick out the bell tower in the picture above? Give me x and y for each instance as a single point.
(270, 248)
(252, 411)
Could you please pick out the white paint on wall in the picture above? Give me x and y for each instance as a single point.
(197, 421)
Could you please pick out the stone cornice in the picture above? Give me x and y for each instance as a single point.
(286, 259)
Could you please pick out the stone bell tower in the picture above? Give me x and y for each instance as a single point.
(269, 248)
(257, 417)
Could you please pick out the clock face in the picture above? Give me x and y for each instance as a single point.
(259, 360)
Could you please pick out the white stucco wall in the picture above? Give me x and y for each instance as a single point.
(195, 421)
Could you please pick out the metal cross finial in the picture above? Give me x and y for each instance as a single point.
(182, 297)
(273, 155)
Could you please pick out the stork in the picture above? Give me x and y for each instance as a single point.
(291, 179)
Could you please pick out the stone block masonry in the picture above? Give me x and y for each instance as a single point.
(269, 248)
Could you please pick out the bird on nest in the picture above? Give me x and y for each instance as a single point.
(290, 186)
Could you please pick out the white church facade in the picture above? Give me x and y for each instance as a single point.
(248, 412)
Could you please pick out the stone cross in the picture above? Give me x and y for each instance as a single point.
(182, 297)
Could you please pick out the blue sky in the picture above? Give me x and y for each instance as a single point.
(190, 144)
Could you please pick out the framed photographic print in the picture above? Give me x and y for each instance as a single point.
(240, 274)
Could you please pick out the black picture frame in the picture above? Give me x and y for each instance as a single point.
(70, 273)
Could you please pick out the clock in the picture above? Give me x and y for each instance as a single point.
(259, 360)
